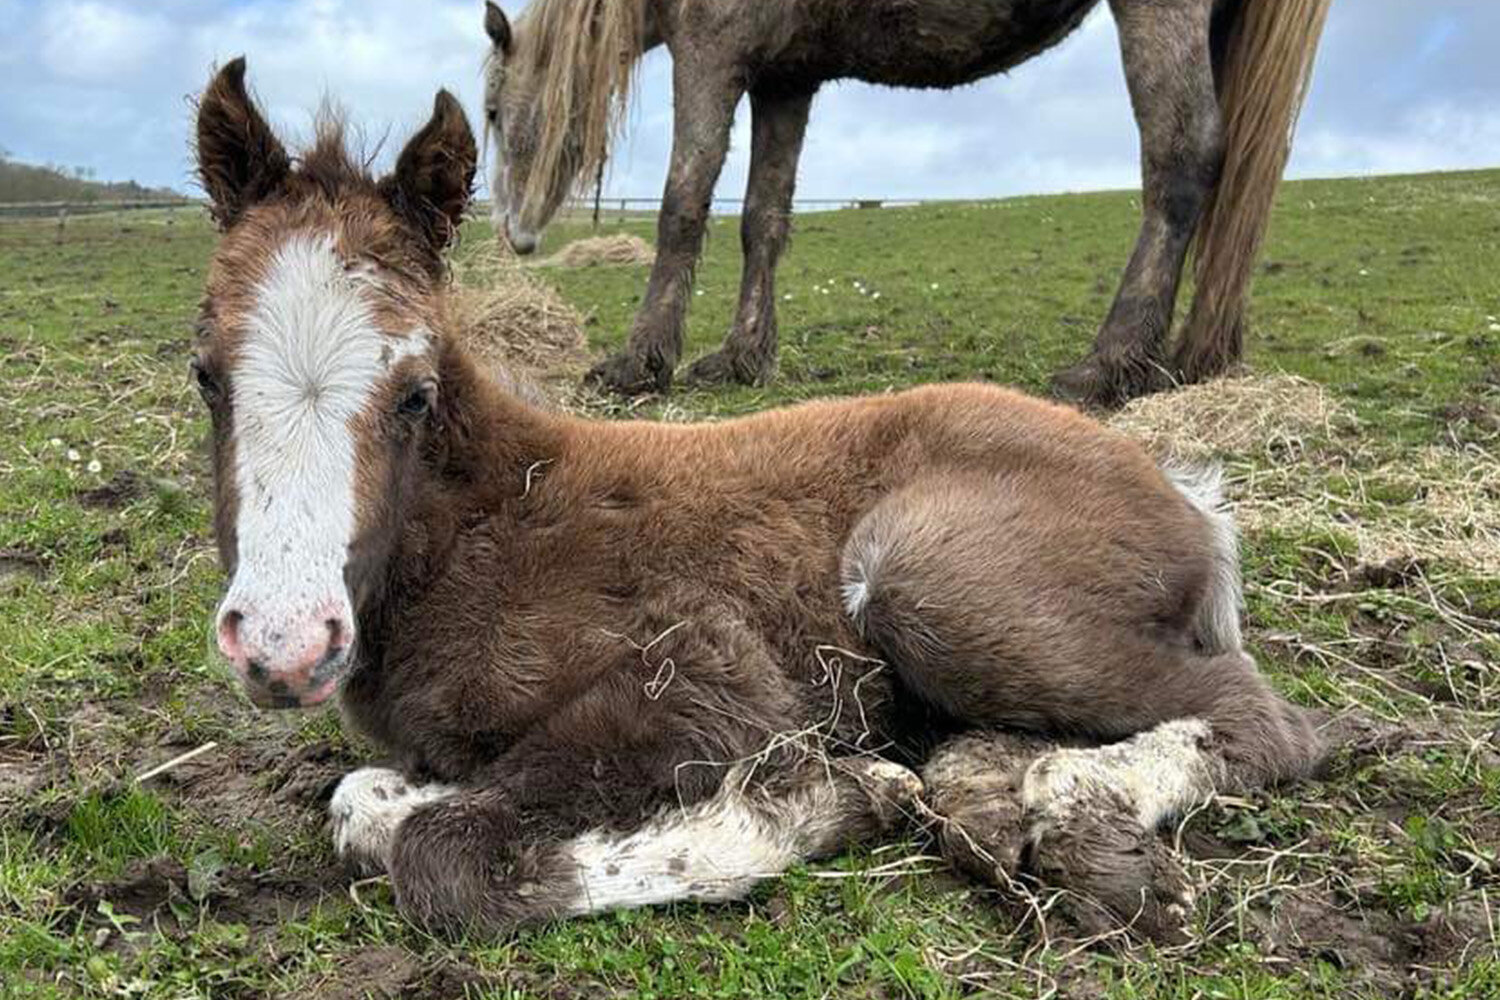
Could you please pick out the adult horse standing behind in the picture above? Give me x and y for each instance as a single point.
(1215, 85)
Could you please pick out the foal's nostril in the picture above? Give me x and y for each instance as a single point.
(336, 632)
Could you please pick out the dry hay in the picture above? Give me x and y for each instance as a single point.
(1294, 466)
(514, 322)
(1275, 415)
(619, 249)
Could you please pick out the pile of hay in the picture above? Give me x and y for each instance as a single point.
(516, 323)
(1292, 466)
(618, 249)
(1272, 415)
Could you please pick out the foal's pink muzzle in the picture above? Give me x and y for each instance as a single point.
(287, 665)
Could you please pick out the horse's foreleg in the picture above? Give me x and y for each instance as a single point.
(748, 356)
(1170, 75)
(704, 98)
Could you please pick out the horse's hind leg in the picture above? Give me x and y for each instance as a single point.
(1170, 76)
(777, 125)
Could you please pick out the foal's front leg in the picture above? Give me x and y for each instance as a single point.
(614, 801)
(468, 859)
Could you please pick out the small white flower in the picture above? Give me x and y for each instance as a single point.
(56, 442)
(1364, 273)
(699, 292)
(823, 290)
(787, 297)
(934, 286)
(73, 455)
(875, 295)
(1495, 328)
(95, 465)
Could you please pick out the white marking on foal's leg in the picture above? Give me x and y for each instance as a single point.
(368, 806)
(1158, 773)
(719, 849)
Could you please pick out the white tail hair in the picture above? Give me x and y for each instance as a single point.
(1217, 627)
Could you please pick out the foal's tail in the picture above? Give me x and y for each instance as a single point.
(1263, 57)
(1217, 626)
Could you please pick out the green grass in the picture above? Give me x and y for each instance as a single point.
(216, 879)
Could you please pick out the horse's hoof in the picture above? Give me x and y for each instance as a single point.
(721, 368)
(1117, 874)
(628, 375)
(1095, 383)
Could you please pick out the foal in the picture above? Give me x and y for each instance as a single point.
(622, 663)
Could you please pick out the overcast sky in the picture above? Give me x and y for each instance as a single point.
(1401, 85)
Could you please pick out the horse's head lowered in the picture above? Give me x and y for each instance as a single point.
(317, 358)
(555, 90)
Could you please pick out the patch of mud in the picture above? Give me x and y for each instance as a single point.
(262, 780)
(1375, 948)
(161, 891)
(391, 973)
(123, 487)
(19, 564)
(372, 974)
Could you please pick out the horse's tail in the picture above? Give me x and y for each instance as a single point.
(1263, 57)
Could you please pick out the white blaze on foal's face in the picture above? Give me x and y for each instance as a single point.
(311, 369)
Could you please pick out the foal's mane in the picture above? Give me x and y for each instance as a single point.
(577, 59)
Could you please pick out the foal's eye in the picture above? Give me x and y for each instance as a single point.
(419, 400)
(208, 386)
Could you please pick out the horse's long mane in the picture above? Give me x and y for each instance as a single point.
(578, 59)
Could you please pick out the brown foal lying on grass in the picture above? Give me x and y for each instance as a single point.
(623, 663)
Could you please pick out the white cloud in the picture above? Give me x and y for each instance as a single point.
(101, 83)
(97, 43)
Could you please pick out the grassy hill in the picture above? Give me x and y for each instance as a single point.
(1362, 451)
(23, 182)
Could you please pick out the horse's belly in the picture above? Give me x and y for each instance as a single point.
(947, 43)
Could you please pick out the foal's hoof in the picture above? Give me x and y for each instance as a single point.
(1117, 874)
(974, 786)
(367, 807)
(722, 368)
(892, 790)
(629, 375)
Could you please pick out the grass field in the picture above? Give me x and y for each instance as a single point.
(1370, 486)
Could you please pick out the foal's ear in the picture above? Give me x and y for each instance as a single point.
(496, 26)
(435, 173)
(240, 161)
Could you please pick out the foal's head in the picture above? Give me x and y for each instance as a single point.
(317, 358)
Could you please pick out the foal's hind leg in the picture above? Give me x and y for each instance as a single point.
(1012, 602)
(748, 356)
(1170, 76)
